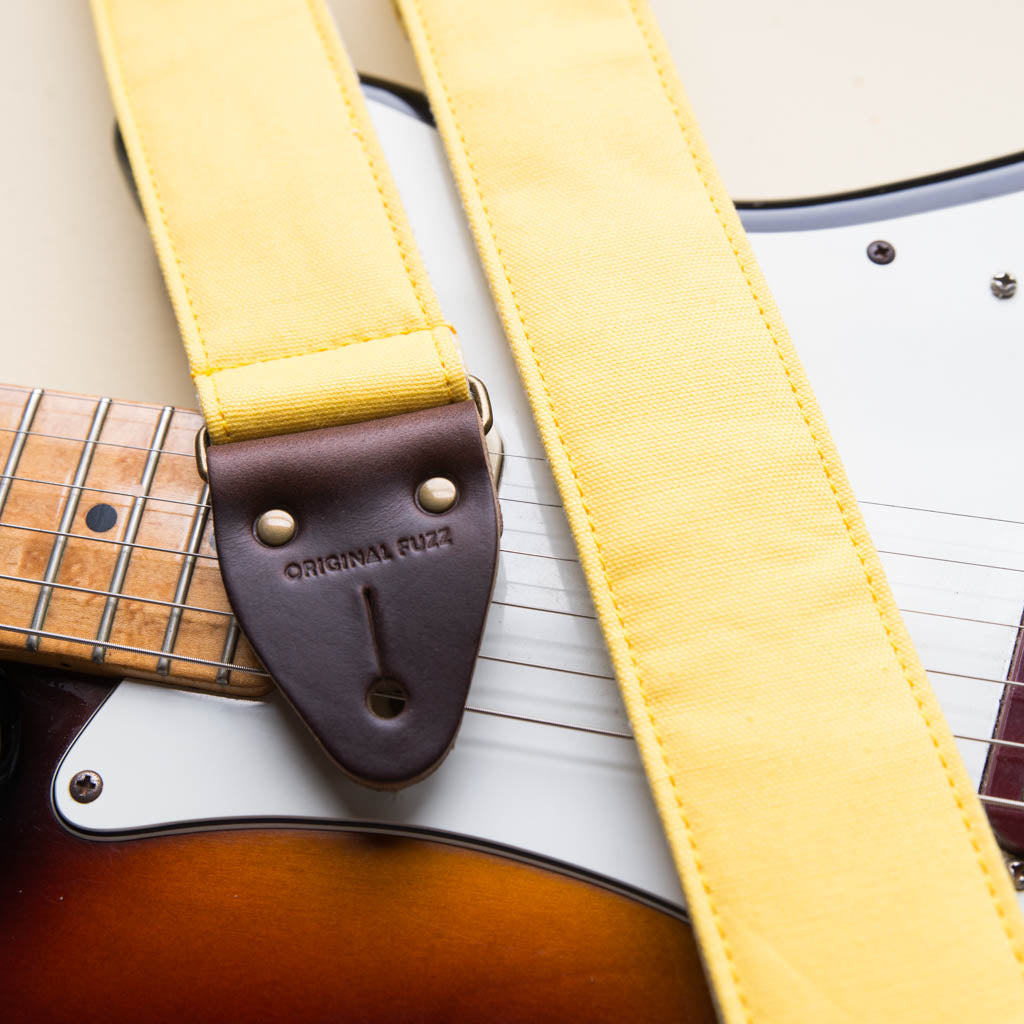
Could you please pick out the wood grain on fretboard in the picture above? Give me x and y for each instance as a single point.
(88, 571)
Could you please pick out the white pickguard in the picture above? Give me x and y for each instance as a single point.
(917, 367)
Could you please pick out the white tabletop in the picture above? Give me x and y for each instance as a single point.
(796, 97)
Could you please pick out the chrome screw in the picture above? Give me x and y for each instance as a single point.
(86, 786)
(881, 252)
(1016, 869)
(1004, 285)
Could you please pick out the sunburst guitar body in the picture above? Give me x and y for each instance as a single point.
(173, 846)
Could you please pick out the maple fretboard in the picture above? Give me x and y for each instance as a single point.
(107, 557)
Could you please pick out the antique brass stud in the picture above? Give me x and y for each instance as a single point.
(436, 495)
(275, 527)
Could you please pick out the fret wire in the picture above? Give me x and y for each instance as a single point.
(131, 531)
(61, 536)
(227, 653)
(28, 414)
(124, 597)
(67, 638)
(188, 565)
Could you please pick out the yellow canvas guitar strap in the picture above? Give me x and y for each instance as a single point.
(334, 395)
(836, 862)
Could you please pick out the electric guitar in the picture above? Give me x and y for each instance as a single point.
(186, 851)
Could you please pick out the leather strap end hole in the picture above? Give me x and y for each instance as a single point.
(386, 698)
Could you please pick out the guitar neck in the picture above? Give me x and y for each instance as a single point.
(108, 561)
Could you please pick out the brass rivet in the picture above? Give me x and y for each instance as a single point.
(275, 527)
(437, 494)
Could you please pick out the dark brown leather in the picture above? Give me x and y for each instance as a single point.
(371, 586)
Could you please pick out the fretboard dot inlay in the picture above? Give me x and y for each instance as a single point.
(101, 518)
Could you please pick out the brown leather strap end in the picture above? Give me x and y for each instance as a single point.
(369, 615)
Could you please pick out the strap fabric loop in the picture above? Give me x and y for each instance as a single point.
(835, 859)
(279, 230)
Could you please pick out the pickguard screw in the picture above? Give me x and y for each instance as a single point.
(86, 786)
(881, 252)
(1016, 869)
(1004, 285)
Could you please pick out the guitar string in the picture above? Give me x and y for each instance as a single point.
(507, 604)
(507, 455)
(510, 551)
(999, 801)
(490, 712)
(493, 712)
(15, 478)
(121, 596)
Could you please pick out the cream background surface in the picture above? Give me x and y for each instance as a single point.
(795, 98)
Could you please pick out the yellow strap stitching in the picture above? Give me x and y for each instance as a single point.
(131, 125)
(209, 371)
(727, 949)
(350, 112)
(900, 659)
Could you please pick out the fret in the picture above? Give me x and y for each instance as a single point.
(131, 531)
(227, 654)
(70, 508)
(18, 444)
(188, 565)
(125, 560)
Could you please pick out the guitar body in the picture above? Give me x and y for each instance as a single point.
(313, 924)
(226, 871)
